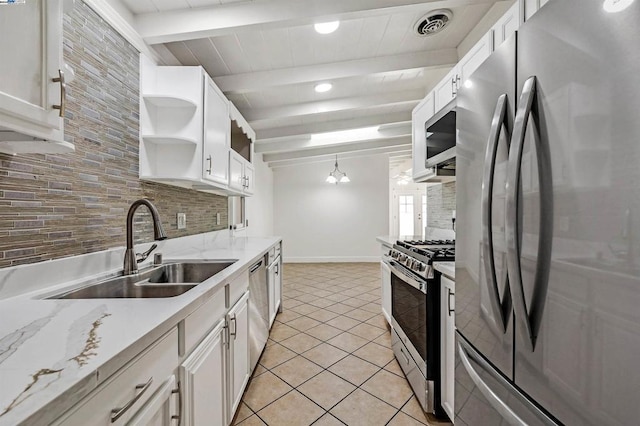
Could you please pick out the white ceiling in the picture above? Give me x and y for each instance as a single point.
(267, 58)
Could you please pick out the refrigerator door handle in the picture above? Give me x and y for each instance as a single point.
(529, 320)
(467, 354)
(500, 309)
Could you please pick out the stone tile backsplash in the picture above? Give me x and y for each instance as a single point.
(53, 206)
(441, 201)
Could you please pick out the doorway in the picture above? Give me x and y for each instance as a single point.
(409, 212)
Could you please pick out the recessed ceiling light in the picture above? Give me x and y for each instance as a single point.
(613, 6)
(327, 27)
(323, 87)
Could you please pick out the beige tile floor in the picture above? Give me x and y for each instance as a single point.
(328, 360)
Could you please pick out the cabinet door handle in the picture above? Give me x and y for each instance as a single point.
(116, 413)
(63, 93)
(247, 177)
(454, 85)
(449, 301)
(178, 417)
(232, 332)
(209, 160)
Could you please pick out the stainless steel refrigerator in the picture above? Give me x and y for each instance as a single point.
(548, 223)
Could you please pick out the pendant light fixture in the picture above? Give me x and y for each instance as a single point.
(336, 176)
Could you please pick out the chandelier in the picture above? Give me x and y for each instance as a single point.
(336, 176)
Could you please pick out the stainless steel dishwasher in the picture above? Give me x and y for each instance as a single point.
(258, 310)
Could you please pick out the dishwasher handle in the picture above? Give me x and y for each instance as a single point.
(255, 267)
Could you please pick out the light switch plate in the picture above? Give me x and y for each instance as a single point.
(217, 218)
(181, 220)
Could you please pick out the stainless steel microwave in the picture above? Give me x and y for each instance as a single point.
(440, 131)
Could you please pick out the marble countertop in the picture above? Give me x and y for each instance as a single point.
(447, 268)
(54, 352)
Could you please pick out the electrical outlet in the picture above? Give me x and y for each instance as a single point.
(217, 218)
(181, 220)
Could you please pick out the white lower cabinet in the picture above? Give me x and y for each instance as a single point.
(277, 287)
(274, 278)
(194, 375)
(203, 380)
(447, 340)
(141, 390)
(162, 408)
(386, 291)
(215, 375)
(238, 323)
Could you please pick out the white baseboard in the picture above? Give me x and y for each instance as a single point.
(328, 259)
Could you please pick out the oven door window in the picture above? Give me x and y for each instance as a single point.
(409, 309)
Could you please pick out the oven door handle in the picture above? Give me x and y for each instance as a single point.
(395, 267)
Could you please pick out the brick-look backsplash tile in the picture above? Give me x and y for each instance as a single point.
(441, 201)
(54, 206)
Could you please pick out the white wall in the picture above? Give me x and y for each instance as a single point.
(320, 222)
(260, 205)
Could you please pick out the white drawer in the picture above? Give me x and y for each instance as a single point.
(202, 320)
(238, 287)
(147, 371)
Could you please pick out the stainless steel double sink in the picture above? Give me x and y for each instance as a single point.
(167, 280)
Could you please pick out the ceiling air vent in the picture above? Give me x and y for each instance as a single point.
(433, 22)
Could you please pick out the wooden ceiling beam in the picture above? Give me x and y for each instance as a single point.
(189, 24)
(259, 80)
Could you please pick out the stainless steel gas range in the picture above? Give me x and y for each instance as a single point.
(415, 315)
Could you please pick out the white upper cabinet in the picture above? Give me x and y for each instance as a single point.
(421, 113)
(475, 57)
(184, 127)
(507, 25)
(190, 134)
(532, 6)
(217, 133)
(32, 87)
(241, 174)
(447, 89)
(241, 177)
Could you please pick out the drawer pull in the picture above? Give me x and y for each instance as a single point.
(116, 413)
(406, 358)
